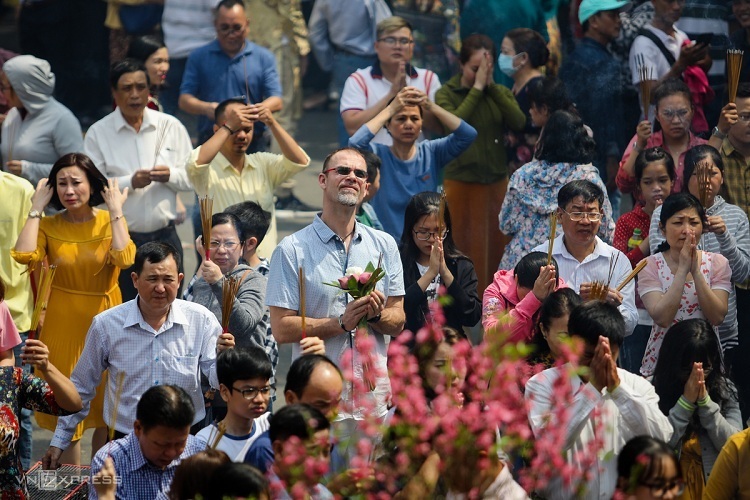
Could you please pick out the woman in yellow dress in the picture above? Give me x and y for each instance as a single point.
(89, 247)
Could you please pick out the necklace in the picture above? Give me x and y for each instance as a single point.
(347, 236)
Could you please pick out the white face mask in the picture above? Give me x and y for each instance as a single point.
(505, 63)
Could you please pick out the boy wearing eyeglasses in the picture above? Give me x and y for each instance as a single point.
(244, 384)
(583, 258)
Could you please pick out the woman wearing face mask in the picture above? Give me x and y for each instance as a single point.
(476, 181)
(523, 53)
(725, 233)
(674, 112)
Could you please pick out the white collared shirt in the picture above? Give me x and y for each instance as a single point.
(118, 151)
(631, 410)
(595, 267)
(120, 340)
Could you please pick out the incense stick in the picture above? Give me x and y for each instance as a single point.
(161, 138)
(113, 414)
(214, 439)
(552, 231)
(229, 288)
(645, 77)
(703, 174)
(45, 284)
(734, 66)
(600, 289)
(638, 268)
(206, 206)
(441, 214)
(302, 301)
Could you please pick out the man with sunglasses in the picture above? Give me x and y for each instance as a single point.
(230, 66)
(222, 169)
(327, 249)
(584, 261)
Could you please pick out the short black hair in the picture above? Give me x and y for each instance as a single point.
(237, 480)
(549, 92)
(670, 87)
(232, 220)
(97, 181)
(228, 4)
(167, 405)
(743, 90)
(254, 221)
(302, 369)
(333, 153)
(586, 189)
(640, 462)
(154, 252)
(565, 140)
(242, 363)
(673, 204)
(527, 269)
(593, 319)
(651, 155)
(373, 164)
(221, 109)
(300, 420)
(127, 65)
(142, 47)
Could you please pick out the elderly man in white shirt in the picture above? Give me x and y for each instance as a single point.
(145, 150)
(583, 258)
(608, 404)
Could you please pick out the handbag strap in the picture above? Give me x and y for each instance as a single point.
(659, 44)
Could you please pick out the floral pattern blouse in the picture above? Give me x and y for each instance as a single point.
(657, 277)
(19, 389)
(531, 199)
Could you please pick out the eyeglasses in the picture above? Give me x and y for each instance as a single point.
(229, 245)
(267, 392)
(359, 174)
(225, 29)
(671, 114)
(392, 41)
(425, 235)
(675, 487)
(579, 216)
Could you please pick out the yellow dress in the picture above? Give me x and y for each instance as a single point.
(691, 463)
(85, 284)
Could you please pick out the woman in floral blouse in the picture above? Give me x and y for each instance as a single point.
(564, 154)
(19, 389)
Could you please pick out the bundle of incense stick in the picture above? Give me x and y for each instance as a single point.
(645, 77)
(734, 65)
(45, 284)
(638, 268)
(160, 139)
(214, 439)
(302, 301)
(115, 406)
(703, 174)
(441, 214)
(552, 230)
(600, 289)
(207, 208)
(229, 288)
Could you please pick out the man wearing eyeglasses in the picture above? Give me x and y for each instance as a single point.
(368, 91)
(583, 259)
(230, 66)
(325, 249)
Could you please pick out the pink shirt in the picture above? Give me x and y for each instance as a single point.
(9, 337)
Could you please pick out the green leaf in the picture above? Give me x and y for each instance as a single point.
(369, 268)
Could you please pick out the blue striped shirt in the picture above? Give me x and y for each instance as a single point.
(324, 257)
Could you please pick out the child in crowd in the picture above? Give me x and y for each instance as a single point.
(431, 260)
(699, 399)
(520, 293)
(193, 475)
(648, 469)
(680, 281)
(244, 374)
(233, 480)
(654, 175)
(552, 327)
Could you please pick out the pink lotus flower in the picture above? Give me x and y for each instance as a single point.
(364, 278)
(344, 282)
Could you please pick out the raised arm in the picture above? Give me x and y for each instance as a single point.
(289, 147)
(27, 240)
(237, 118)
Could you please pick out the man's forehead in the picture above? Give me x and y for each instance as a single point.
(348, 159)
(578, 202)
(133, 77)
(166, 266)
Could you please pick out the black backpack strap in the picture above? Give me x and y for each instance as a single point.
(659, 44)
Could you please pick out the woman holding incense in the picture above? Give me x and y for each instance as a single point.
(680, 281)
(698, 397)
(654, 172)
(674, 112)
(475, 182)
(726, 231)
(89, 246)
(431, 260)
(564, 154)
(55, 395)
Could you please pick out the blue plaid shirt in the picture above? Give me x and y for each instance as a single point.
(138, 479)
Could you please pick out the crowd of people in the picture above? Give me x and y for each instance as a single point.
(525, 282)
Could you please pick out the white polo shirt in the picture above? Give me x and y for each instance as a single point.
(367, 86)
(652, 55)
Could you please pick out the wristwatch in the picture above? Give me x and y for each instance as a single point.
(718, 133)
(35, 214)
(341, 323)
(374, 319)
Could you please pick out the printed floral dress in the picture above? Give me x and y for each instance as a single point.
(657, 277)
(19, 389)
